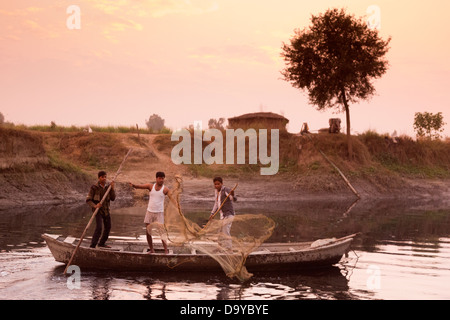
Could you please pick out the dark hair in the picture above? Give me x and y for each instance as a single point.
(101, 173)
(160, 174)
(218, 179)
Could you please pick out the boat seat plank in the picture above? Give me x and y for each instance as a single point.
(263, 251)
(70, 239)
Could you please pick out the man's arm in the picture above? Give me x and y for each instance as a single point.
(232, 196)
(168, 193)
(148, 186)
(215, 207)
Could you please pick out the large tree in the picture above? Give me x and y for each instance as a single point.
(335, 60)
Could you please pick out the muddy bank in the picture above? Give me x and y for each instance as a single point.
(58, 168)
(44, 187)
(263, 192)
(34, 191)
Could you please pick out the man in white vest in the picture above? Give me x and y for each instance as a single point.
(154, 218)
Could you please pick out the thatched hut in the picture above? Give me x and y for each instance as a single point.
(258, 120)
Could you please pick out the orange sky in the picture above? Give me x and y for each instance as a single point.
(190, 60)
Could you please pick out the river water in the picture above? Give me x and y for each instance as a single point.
(403, 252)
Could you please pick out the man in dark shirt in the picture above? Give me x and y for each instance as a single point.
(226, 213)
(103, 216)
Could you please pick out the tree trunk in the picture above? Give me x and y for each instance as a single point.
(347, 116)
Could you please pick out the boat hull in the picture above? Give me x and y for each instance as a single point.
(269, 257)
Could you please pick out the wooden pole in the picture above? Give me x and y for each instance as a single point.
(337, 169)
(342, 175)
(95, 213)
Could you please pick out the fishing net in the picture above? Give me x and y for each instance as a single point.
(248, 232)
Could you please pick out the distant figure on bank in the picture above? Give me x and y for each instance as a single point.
(103, 216)
(226, 213)
(154, 217)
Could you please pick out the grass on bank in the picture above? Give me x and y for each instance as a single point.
(374, 154)
(106, 129)
(36, 157)
(419, 158)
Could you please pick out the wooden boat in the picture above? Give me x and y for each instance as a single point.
(131, 255)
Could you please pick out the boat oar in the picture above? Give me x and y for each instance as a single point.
(95, 213)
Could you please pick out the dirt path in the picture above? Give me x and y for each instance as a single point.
(142, 164)
(145, 160)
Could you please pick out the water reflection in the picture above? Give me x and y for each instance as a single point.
(330, 283)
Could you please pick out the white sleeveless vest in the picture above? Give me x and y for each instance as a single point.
(156, 200)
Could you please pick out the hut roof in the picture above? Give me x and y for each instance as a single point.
(259, 115)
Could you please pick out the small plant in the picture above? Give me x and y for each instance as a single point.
(155, 123)
(428, 125)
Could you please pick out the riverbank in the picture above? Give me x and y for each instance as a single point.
(45, 168)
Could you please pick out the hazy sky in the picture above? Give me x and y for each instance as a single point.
(190, 60)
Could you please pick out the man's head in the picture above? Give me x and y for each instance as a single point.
(102, 177)
(218, 182)
(160, 176)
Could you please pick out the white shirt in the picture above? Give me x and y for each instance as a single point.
(156, 199)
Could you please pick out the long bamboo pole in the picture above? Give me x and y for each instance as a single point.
(341, 174)
(337, 169)
(95, 213)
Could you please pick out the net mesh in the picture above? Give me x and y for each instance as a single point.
(248, 232)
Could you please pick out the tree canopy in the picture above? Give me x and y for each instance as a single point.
(335, 60)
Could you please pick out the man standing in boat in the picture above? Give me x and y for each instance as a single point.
(103, 216)
(154, 217)
(223, 197)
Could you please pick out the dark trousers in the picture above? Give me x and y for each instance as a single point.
(104, 221)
